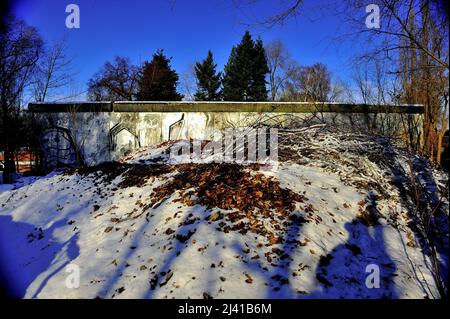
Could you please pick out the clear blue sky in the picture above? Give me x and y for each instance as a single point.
(186, 30)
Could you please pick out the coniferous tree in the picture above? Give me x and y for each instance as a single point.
(245, 72)
(208, 81)
(258, 89)
(158, 81)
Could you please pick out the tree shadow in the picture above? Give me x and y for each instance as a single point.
(185, 233)
(107, 288)
(276, 278)
(341, 273)
(156, 278)
(28, 251)
(26, 181)
(72, 252)
(422, 180)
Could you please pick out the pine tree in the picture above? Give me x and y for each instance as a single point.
(208, 82)
(258, 89)
(158, 81)
(245, 72)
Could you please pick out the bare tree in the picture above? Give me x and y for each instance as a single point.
(364, 84)
(285, 11)
(188, 85)
(422, 46)
(309, 84)
(52, 72)
(413, 41)
(281, 67)
(116, 81)
(414, 32)
(338, 91)
(20, 48)
(315, 82)
(424, 76)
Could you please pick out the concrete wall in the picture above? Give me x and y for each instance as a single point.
(106, 131)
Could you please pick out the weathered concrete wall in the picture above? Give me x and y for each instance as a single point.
(106, 131)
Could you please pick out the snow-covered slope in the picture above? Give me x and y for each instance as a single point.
(314, 227)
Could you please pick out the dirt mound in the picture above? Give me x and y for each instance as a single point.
(240, 195)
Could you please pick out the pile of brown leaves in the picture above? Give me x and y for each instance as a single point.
(133, 174)
(246, 194)
(247, 199)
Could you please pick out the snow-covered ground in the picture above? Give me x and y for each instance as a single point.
(315, 227)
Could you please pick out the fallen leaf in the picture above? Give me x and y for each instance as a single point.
(207, 296)
(274, 240)
(108, 229)
(249, 279)
(120, 290)
(215, 216)
(169, 231)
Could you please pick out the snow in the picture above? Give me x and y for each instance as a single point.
(127, 250)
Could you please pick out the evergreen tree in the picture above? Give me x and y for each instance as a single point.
(208, 82)
(245, 72)
(158, 81)
(258, 89)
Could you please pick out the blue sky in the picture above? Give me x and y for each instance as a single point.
(186, 30)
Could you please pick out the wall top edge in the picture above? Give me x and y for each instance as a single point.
(188, 106)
